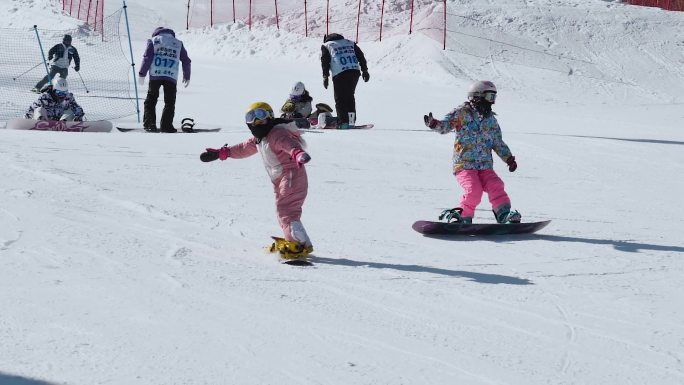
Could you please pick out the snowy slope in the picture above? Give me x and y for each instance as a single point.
(125, 260)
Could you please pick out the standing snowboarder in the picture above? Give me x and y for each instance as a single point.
(344, 59)
(60, 56)
(55, 103)
(477, 134)
(282, 149)
(162, 57)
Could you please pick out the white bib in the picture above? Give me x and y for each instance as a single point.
(167, 50)
(342, 56)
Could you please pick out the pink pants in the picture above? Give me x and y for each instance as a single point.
(290, 191)
(476, 182)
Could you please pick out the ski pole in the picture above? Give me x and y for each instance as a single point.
(25, 72)
(84, 86)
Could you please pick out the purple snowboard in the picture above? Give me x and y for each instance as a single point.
(443, 228)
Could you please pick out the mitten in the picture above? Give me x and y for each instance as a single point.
(430, 121)
(77, 68)
(212, 154)
(141, 80)
(325, 82)
(186, 83)
(512, 165)
(365, 76)
(288, 107)
(300, 157)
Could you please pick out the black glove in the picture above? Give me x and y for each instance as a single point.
(430, 121)
(209, 156)
(512, 165)
(77, 68)
(365, 76)
(325, 82)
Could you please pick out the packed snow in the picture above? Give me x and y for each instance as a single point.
(126, 260)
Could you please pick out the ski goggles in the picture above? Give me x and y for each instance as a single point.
(257, 114)
(489, 96)
(61, 94)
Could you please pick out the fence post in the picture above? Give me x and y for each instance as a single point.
(233, 11)
(211, 12)
(358, 19)
(249, 22)
(306, 21)
(88, 16)
(327, 17)
(382, 16)
(130, 46)
(445, 26)
(42, 53)
(276, 9)
(187, 17)
(411, 22)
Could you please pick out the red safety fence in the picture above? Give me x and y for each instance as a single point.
(90, 11)
(360, 20)
(670, 5)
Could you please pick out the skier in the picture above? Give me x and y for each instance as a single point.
(343, 58)
(55, 103)
(60, 56)
(282, 150)
(298, 103)
(477, 134)
(161, 58)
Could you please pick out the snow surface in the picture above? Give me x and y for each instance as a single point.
(125, 260)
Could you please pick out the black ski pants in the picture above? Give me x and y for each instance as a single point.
(150, 113)
(345, 86)
(54, 70)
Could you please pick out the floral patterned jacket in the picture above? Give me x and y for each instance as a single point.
(476, 137)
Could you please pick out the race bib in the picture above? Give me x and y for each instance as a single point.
(167, 50)
(342, 56)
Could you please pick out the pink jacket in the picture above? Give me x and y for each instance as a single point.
(276, 149)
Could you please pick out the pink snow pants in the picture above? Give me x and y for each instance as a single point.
(476, 182)
(290, 191)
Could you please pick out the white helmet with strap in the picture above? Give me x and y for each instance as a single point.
(60, 84)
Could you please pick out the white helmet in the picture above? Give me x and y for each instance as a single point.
(60, 84)
(478, 89)
(298, 89)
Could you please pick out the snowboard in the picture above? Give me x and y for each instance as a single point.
(59, 125)
(443, 228)
(331, 124)
(192, 131)
(292, 262)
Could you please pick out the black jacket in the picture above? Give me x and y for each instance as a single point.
(58, 51)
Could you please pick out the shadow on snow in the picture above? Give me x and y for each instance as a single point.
(8, 379)
(477, 277)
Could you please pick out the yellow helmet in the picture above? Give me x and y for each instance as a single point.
(258, 111)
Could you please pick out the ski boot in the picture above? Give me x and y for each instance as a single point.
(454, 216)
(290, 250)
(505, 215)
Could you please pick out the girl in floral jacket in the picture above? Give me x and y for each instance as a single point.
(477, 135)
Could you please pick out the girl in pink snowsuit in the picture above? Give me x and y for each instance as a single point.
(282, 149)
(477, 135)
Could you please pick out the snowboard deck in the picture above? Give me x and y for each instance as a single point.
(304, 261)
(59, 125)
(181, 131)
(311, 124)
(443, 228)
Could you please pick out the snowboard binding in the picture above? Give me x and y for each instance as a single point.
(454, 216)
(505, 215)
(290, 250)
(187, 125)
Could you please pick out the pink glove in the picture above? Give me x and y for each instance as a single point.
(212, 154)
(300, 157)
